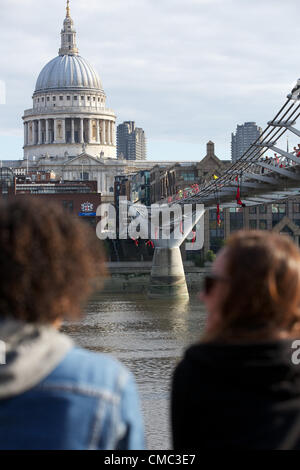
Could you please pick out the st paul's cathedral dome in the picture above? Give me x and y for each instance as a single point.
(69, 107)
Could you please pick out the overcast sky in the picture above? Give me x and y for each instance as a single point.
(186, 71)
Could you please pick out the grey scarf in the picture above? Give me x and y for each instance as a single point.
(31, 353)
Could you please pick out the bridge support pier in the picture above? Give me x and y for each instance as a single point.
(167, 275)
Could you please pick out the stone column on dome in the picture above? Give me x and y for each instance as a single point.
(98, 131)
(87, 131)
(90, 131)
(34, 132)
(109, 133)
(72, 131)
(64, 137)
(47, 139)
(112, 133)
(55, 130)
(101, 132)
(29, 134)
(81, 131)
(39, 132)
(25, 136)
(104, 132)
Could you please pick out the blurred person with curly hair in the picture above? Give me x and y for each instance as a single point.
(53, 395)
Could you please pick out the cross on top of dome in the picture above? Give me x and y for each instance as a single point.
(68, 35)
(68, 9)
(69, 69)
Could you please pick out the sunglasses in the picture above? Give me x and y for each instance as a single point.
(210, 281)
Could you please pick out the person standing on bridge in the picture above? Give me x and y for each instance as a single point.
(53, 395)
(239, 388)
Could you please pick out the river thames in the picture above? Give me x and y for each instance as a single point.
(148, 337)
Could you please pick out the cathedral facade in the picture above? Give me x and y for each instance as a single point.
(69, 130)
(69, 113)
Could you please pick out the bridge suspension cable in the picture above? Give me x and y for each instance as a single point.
(288, 112)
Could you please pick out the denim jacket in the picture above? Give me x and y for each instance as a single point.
(88, 401)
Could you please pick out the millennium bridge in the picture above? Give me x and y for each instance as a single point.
(254, 179)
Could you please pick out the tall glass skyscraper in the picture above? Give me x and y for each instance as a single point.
(245, 135)
(131, 142)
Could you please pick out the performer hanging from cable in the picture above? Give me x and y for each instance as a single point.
(238, 194)
(136, 242)
(150, 243)
(219, 222)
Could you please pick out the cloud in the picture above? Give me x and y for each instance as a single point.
(184, 71)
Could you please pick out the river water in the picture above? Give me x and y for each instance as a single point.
(149, 337)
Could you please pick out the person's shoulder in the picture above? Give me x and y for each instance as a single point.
(187, 362)
(198, 352)
(86, 358)
(89, 369)
(199, 355)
